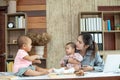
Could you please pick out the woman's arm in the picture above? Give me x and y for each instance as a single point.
(99, 63)
(96, 64)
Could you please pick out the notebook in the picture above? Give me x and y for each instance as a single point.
(112, 63)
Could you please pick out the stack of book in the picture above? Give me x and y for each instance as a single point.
(20, 22)
(91, 24)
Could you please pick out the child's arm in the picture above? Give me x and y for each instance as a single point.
(36, 61)
(63, 61)
(73, 61)
(31, 58)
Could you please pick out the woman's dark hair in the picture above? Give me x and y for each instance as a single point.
(87, 39)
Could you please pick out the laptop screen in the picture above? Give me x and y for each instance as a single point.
(112, 63)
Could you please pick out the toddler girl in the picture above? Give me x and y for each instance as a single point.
(23, 61)
(70, 67)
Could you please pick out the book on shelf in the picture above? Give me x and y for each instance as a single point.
(82, 24)
(99, 24)
(97, 37)
(105, 25)
(16, 21)
(100, 41)
(86, 24)
(109, 25)
(93, 37)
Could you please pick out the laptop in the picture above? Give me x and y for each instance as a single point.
(112, 63)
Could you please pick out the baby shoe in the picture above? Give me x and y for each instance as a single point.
(71, 70)
(59, 71)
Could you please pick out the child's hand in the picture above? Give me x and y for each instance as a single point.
(38, 61)
(51, 70)
(62, 65)
(37, 57)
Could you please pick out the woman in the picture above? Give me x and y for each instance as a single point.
(89, 50)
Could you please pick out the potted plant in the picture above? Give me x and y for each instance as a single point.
(39, 41)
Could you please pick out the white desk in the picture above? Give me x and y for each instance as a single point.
(87, 76)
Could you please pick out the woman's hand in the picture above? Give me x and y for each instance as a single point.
(87, 68)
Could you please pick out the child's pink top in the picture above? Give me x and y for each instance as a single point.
(19, 62)
(76, 56)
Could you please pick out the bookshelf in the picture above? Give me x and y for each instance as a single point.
(104, 27)
(15, 25)
(112, 36)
